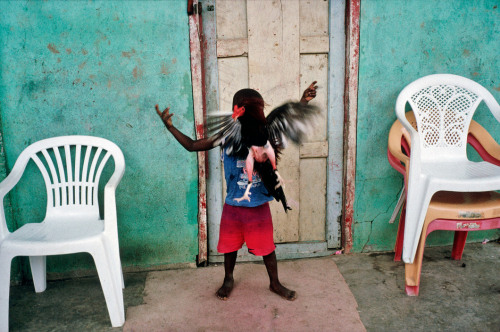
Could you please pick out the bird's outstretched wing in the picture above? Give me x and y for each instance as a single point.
(291, 121)
(226, 131)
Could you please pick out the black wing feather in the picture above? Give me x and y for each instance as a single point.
(227, 132)
(291, 121)
(270, 180)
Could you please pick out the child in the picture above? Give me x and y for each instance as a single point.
(242, 220)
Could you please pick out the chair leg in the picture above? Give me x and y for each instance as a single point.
(413, 270)
(412, 290)
(38, 266)
(116, 268)
(115, 258)
(416, 210)
(113, 293)
(412, 275)
(5, 263)
(398, 248)
(459, 244)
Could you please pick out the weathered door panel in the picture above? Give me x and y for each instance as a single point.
(280, 54)
(274, 69)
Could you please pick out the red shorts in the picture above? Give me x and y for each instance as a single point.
(253, 225)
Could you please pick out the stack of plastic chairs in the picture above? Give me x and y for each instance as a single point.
(443, 189)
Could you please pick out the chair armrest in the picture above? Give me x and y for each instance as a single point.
(110, 215)
(396, 134)
(11, 180)
(395, 163)
(483, 143)
(6, 186)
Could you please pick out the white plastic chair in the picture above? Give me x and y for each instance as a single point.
(71, 167)
(443, 105)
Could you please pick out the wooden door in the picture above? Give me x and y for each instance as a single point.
(279, 48)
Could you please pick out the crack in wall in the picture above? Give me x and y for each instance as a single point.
(375, 218)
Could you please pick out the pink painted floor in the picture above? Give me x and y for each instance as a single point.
(184, 300)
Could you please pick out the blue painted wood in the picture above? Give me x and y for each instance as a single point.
(284, 251)
(336, 82)
(214, 180)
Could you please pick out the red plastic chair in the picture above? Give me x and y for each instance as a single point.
(455, 211)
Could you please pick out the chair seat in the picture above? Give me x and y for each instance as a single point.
(465, 205)
(53, 234)
(482, 175)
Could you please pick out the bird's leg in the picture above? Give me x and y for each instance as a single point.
(281, 182)
(272, 158)
(246, 195)
(249, 169)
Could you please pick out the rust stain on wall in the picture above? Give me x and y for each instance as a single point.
(52, 48)
(136, 72)
(128, 54)
(164, 69)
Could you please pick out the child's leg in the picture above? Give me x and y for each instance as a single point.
(230, 240)
(227, 285)
(275, 285)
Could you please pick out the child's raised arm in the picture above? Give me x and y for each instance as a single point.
(188, 144)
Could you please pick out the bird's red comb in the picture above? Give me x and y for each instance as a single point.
(238, 111)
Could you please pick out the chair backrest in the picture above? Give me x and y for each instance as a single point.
(443, 105)
(71, 167)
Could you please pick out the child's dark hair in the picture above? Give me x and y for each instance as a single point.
(253, 103)
(253, 121)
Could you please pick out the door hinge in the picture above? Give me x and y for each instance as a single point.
(194, 8)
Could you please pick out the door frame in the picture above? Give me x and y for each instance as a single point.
(350, 118)
(342, 93)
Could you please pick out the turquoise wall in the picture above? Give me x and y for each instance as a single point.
(98, 68)
(401, 41)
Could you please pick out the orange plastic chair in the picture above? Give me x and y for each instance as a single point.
(460, 212)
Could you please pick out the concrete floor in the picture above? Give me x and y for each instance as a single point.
(454, 296)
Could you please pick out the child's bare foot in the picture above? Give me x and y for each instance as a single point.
(284, 292)
(226, 288)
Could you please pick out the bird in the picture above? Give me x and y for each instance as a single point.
(247, 133)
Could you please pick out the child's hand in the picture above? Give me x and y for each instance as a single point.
(166, 117)
(309, 93)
